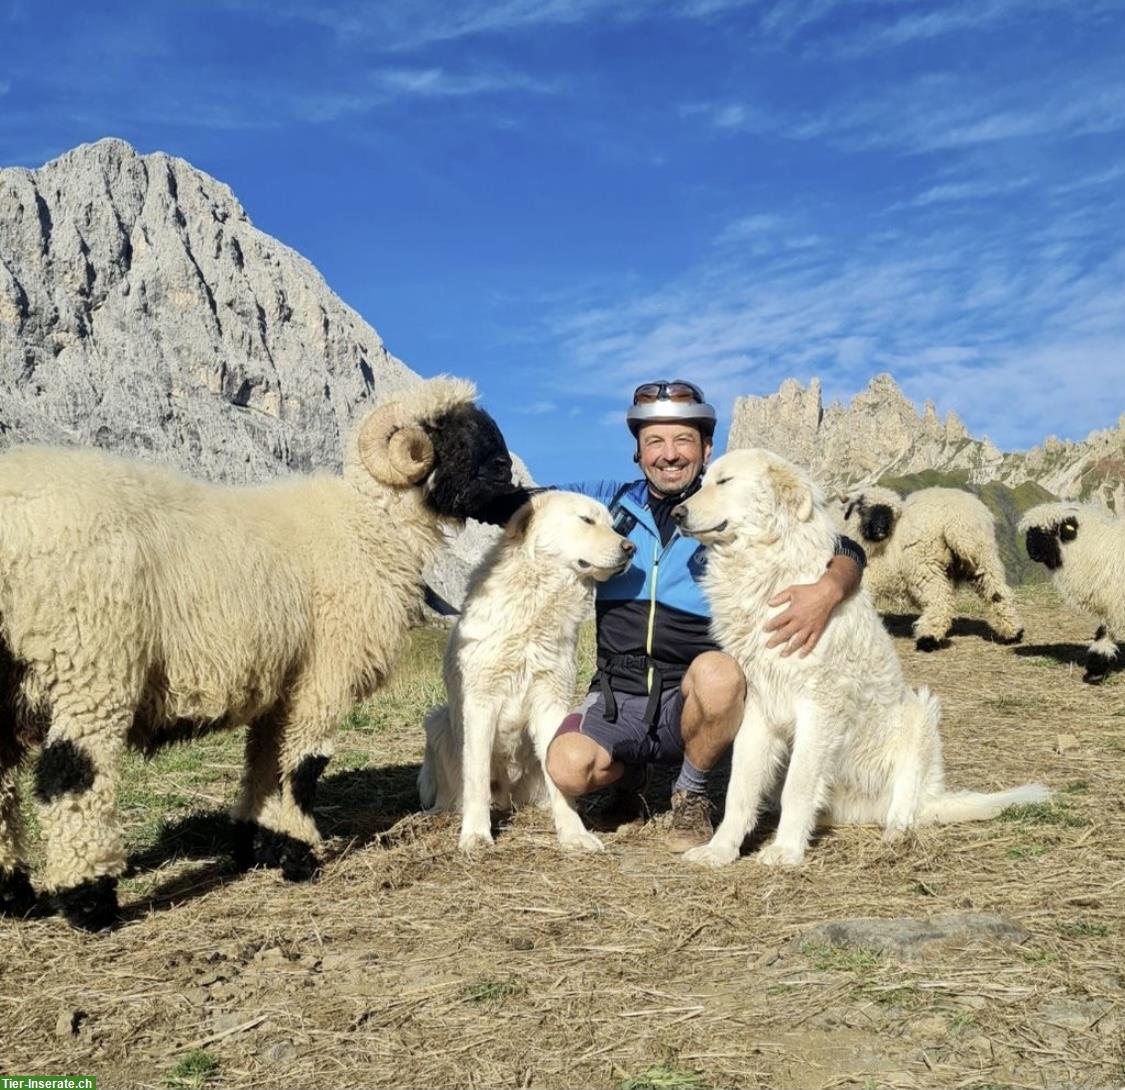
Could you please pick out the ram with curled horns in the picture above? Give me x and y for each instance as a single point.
(139, 606)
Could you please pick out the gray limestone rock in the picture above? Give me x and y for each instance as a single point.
(909, 937)
(881, 434)
(141, 311)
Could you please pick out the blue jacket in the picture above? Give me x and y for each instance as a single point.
(654, 619)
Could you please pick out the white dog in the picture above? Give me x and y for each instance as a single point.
(861, 746)
(510, 666)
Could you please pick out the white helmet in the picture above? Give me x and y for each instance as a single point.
(672, 402)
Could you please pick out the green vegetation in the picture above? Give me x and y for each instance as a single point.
(851, 959)
(491, 990)
(195, 1070)
(1083, 929)
(662, 1077)
(1055, 812)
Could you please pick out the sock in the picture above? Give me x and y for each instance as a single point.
(691, 779)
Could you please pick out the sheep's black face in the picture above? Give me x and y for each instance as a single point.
(1043, 546)
(877, 522)
(472, 474)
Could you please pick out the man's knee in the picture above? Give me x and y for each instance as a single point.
(714, 682)
(572, 760)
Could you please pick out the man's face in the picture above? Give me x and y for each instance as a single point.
(672, 455)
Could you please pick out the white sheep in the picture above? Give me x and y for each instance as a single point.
(919, 550)
(1083, 547)
(138, 605)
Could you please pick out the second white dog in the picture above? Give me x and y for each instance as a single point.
(861, 746)
(510, 666)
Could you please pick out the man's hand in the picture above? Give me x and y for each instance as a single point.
(800, 627)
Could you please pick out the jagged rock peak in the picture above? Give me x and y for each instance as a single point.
(881, 434)
(141, 311)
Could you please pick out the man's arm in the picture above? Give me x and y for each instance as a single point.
(800, 626)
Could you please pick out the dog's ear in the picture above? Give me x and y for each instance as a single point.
(519, 523)
(392, 451)
(792, 493)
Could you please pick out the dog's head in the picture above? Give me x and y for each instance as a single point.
(573, 531)
(750, 495)
(870, 514)
(1048, 529)
(433, 437)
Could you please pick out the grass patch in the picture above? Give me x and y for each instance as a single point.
(850, 959)
(1007, 705)
(662, 1077)
(196, 1069)
(962, 1020)
(1026, 851)
(1036, 955)
(491, 991)
(1083, 929)
(1054, 812)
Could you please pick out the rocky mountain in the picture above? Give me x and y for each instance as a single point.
(141, 311)
(880, 437)
(881, 434)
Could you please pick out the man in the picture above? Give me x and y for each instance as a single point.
(663, 692)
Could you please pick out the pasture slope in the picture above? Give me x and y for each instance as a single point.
(409, 966)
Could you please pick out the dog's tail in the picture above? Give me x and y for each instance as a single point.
(948, 807)
(435, 723)
(956, 806)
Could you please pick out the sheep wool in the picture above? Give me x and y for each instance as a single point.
(1082, 545)
(919, 550)
(139, 606)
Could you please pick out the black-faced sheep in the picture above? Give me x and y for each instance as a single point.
(1083, 547)
(138, 605)
(919, 550)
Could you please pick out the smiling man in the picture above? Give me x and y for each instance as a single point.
(663, 692)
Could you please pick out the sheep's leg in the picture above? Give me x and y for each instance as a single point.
(806, 788)
(17, 898)
(572, 833)
(934, 592)
(76, 787)
(261, 780)
(1100, 657)
(997, 597)
(287, 836)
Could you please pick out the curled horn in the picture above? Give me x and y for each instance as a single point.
(392, 451)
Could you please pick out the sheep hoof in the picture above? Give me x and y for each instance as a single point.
(1097, 668)
(90, 905)
(257, 846)
(1007, 641)
(17, 898)
(927, 643)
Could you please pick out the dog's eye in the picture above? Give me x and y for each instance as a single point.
(723, 480)
(586, 518)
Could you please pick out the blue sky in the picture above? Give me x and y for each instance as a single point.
(560, 198)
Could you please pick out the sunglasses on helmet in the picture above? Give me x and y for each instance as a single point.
(677, 390)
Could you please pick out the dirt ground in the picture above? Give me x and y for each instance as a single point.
(408, 965)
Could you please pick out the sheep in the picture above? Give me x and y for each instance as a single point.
(139, 606)
(922, 548)
(1083, 547)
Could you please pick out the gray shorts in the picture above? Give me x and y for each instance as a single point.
(628, 739)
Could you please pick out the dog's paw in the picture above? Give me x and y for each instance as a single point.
(778, 855)
(711, 855)
(580, 841)
(474, 841)
(895, 830)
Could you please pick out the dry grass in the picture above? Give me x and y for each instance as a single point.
(407, 965)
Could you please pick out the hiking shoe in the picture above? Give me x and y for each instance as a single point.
(691, 822)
